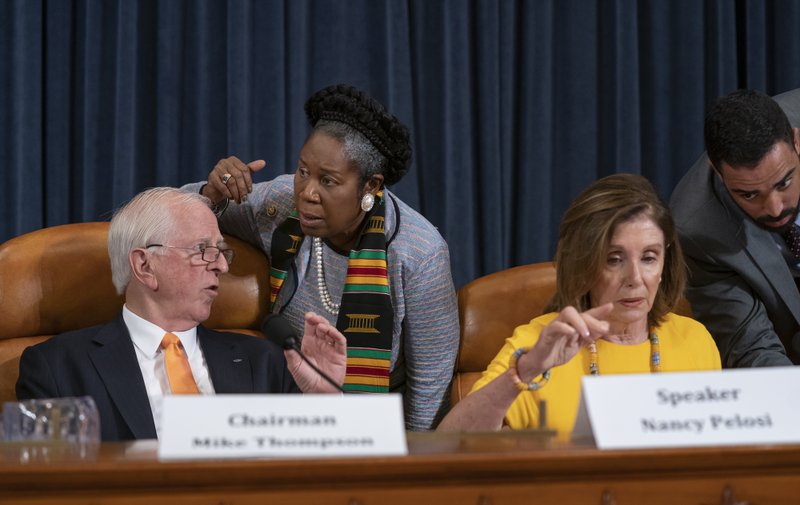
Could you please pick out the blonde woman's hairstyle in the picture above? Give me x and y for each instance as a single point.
(147, 219)
(586, 231)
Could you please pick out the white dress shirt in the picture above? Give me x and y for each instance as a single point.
(146, 338)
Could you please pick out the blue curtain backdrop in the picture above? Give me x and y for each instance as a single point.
(515, 106)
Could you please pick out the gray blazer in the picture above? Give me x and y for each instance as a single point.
(740, 287)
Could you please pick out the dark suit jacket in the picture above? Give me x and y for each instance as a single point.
(740, 287)
(101, 362)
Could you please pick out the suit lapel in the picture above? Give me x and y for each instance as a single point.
(761, 248)
(228, 364)
(115, 361)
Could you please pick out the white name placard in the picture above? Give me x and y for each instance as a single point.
(243, 426)
(730, 407)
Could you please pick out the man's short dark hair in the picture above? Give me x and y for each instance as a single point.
(742, 127)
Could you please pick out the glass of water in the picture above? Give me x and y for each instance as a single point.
(71, 419)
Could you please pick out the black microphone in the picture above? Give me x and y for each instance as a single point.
(276, 328)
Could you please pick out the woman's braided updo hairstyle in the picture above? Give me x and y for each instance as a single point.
(342, 103)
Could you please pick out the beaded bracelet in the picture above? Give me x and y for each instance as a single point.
(533, 385)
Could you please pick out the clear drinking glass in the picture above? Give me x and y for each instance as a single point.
(71, 419)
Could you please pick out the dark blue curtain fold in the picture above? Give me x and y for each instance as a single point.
(515, 106)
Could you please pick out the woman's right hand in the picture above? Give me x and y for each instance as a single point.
(560, 340)
(231, 178)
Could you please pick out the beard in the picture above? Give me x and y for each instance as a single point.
(764, 221)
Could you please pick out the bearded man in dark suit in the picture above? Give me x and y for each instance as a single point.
(737, 213)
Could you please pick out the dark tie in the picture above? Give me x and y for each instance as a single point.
(792, 238)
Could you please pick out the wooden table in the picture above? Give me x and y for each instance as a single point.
(512, 468)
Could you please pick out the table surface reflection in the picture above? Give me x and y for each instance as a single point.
(434, 458)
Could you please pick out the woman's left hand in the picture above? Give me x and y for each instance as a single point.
(326, 347)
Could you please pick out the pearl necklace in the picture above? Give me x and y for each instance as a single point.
(655, 356)
(322, 286)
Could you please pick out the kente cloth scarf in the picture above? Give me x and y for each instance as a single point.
(366, 316)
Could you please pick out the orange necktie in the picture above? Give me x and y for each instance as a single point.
(179, 373)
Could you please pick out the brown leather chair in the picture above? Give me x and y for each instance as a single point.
(489, 309)
(59, 279)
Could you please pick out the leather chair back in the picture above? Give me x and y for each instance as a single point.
(489, 309)
(59, 279)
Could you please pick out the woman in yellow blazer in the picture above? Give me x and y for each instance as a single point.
(619, 274)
